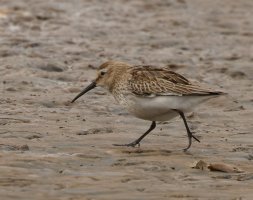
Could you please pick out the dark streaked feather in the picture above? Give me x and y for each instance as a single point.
(149, 81)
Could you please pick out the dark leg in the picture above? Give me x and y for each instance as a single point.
(137, 142)
(189, 133)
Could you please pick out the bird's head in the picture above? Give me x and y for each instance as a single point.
(107, 74)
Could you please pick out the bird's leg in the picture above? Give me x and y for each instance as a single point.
(137, 142)
(189, 133)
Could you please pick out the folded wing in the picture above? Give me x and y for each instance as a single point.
(152, 81)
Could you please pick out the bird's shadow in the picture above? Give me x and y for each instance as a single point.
(138, 151)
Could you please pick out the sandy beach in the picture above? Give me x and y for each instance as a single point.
(51, 149)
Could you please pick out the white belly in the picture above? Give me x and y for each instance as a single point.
(160, 108)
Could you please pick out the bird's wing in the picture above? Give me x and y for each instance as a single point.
(152, 81)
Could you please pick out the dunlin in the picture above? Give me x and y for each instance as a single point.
(150, 93)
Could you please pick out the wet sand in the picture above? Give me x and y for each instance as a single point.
(51, 149)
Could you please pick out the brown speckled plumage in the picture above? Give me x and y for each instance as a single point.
(150, 80)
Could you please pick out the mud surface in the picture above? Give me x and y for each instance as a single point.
(50, 149)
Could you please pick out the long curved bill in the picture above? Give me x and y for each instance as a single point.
(88, 88)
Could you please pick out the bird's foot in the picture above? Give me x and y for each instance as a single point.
(195, 138)
(132, 144)
(190, 142)
(185, 149)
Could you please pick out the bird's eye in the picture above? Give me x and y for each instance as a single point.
(102, 73)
